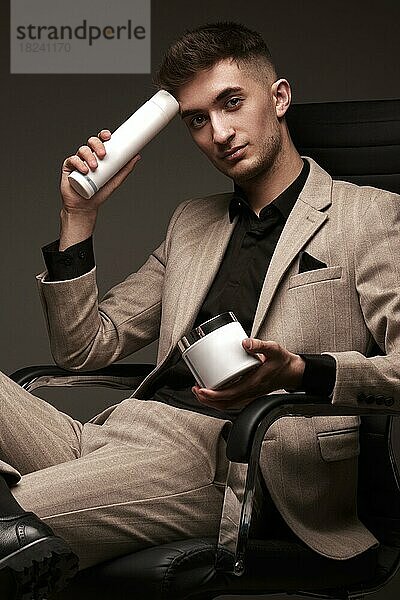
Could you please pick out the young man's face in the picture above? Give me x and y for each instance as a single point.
(231, 115)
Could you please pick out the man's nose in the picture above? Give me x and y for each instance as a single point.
(222, 131)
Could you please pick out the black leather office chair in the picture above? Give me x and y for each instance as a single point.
(357, 141)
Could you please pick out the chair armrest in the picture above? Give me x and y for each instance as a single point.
(121, 376)
(244, 446)
(259, 415)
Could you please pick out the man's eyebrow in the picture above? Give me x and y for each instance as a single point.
(225, 92)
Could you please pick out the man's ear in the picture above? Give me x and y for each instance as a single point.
(282, 96)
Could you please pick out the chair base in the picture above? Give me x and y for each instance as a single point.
(186, 570)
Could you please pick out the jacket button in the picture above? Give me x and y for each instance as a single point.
(370, 399)
(67, 261)
(380, 399)
(389, 401)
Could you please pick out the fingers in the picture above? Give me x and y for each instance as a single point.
(104, 134)
(267, 348)
(207, 397)
(94, 149)
(219, 400)
(246, 386)
(96, 144)
(74, 162)
(88, 155)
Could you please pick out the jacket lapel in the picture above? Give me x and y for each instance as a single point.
(201, 271)
(303, 222)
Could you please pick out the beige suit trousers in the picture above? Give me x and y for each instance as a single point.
(149, 474)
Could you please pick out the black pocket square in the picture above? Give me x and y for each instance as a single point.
(310, 263)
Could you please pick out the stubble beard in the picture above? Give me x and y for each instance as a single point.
(262, 164)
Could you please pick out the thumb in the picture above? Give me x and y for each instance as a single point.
(252, 345)
(256, 346)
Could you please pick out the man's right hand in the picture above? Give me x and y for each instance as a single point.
(78, 214)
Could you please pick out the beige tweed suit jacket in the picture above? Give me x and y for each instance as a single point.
(310, 465)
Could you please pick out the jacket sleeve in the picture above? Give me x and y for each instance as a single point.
(87, 334)
(375, 379)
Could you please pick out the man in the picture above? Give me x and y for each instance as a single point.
(308, 266)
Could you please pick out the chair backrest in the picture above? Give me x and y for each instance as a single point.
(355, 141)
(360, 142)
(379, 481)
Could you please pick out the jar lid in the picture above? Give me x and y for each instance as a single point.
(204, 329)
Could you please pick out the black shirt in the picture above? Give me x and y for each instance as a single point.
(237, 285)
(236, 288)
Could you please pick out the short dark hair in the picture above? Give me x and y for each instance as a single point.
(201, 48)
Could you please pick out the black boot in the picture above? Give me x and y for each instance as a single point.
(34, 563)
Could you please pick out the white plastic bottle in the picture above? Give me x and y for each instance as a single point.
(127, 141)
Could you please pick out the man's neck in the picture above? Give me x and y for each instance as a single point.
(262, 190)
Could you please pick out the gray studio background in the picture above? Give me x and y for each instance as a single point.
(332, 50)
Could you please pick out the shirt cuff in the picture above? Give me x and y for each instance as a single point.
(319, 375)
(71, 262)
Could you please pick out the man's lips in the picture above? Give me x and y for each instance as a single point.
(234, 153)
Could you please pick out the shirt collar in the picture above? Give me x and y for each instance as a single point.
(284, 202)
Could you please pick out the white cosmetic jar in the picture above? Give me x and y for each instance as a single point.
(214, 353)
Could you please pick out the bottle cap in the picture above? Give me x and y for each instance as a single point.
(168, 104)
(82, 184)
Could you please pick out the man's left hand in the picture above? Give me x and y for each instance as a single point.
(280, 369)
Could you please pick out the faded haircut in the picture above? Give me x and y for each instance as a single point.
(201, 48)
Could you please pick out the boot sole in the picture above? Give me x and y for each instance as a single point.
(40, 569)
